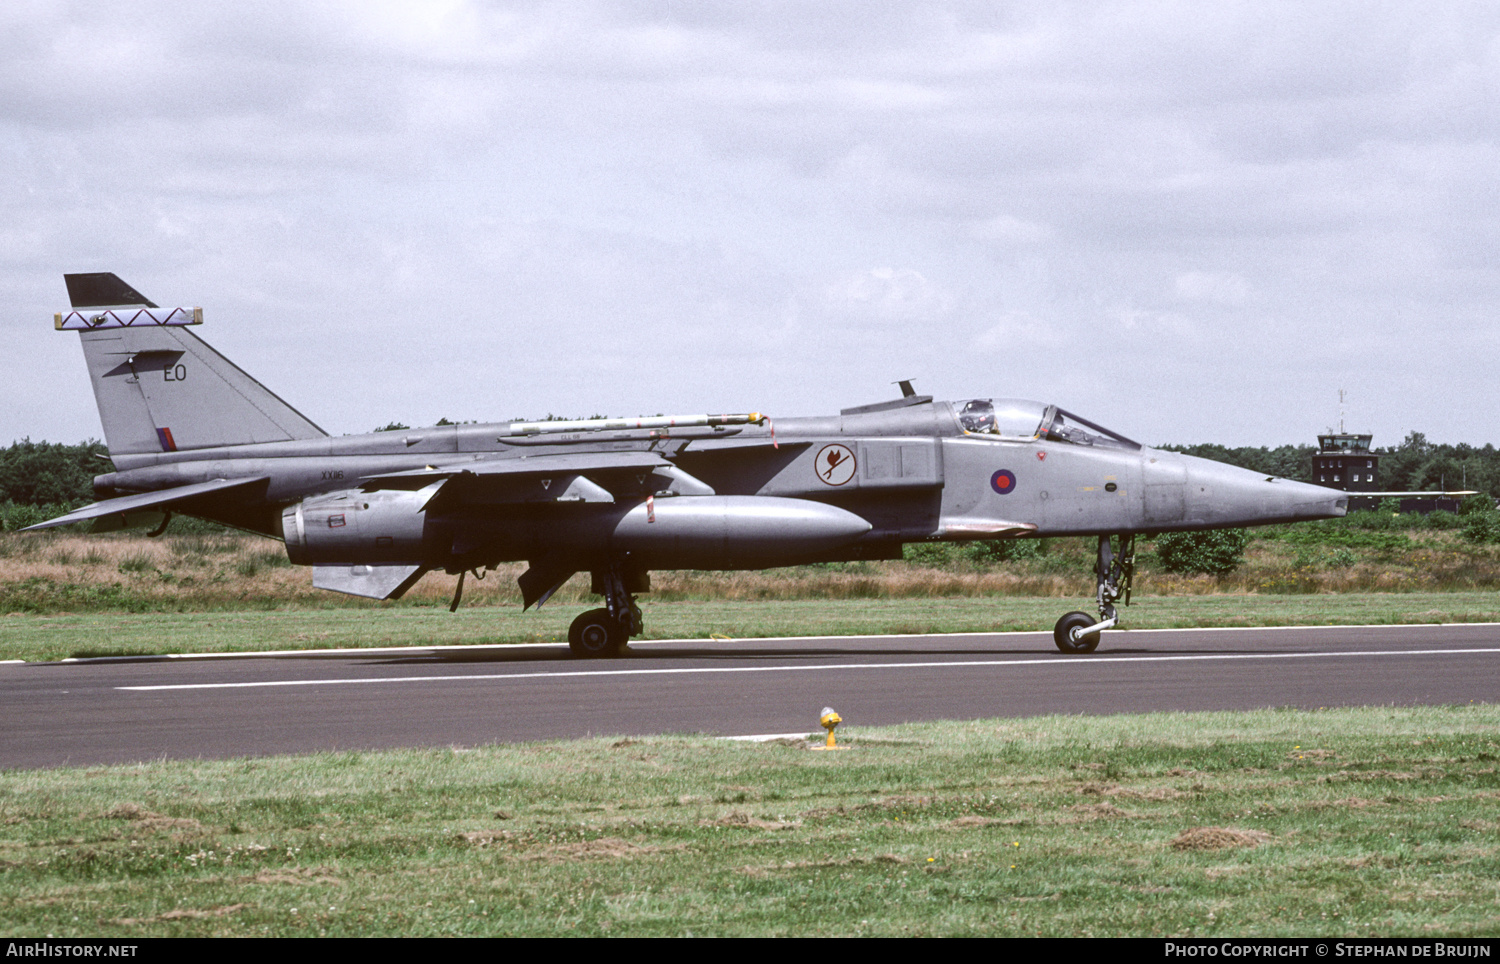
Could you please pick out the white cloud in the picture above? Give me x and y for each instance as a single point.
(673, 194)
(1155, 323)
(1222, 287)
(1011, 230)
(1014, 330)
(885, 296)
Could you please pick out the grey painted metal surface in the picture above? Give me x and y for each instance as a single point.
(190, 432)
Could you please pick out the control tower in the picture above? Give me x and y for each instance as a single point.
(1344, 461)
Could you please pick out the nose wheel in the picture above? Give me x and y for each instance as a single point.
(1070, 636)
(1078, 632)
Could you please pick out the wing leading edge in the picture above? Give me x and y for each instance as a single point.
(149, 501)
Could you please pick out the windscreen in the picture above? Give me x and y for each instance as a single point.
(1067, 427)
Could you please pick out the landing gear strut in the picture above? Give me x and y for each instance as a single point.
(604, 632)
(1078, 632)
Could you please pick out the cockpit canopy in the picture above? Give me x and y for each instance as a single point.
(1022, 420)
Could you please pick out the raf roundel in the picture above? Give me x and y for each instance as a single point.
(1003, 481)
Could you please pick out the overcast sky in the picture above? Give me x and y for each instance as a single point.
(1187, 222)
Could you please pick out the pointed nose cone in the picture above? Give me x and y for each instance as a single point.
(1215, 494)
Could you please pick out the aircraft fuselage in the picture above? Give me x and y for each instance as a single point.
(912, 473)
(191, 432)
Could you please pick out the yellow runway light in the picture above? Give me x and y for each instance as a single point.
(830, 719)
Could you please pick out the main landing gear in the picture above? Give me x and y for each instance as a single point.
(600, 633)
(1079, 632)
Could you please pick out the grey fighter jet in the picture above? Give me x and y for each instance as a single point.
(191, 433)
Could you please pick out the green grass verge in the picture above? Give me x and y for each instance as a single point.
(44, 637)
(56, 572)
(1357, 822)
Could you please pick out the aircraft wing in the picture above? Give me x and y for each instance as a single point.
(535, 465)
(572, 477)
(148, 501)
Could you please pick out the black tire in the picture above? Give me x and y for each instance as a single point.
(1062, 633)
(594, 635)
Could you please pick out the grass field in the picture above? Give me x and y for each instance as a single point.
(1358, 822)
(1367, 553)
(1340, 822)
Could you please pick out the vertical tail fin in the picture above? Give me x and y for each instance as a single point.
(102, 289)
(159, 387)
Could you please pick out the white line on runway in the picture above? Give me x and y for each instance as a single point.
(638, 643)
(822, 667)
(768, 737)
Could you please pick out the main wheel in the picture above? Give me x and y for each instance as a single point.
(595, 634)
(1065, 633)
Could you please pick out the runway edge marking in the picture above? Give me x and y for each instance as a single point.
(711, 670)
(471, 647)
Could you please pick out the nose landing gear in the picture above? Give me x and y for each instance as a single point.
(1078, 632)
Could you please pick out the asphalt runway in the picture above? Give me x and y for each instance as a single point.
(129, 710)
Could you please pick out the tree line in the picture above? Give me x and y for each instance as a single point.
(54, 474)
(50, 473)
(1414, 465)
